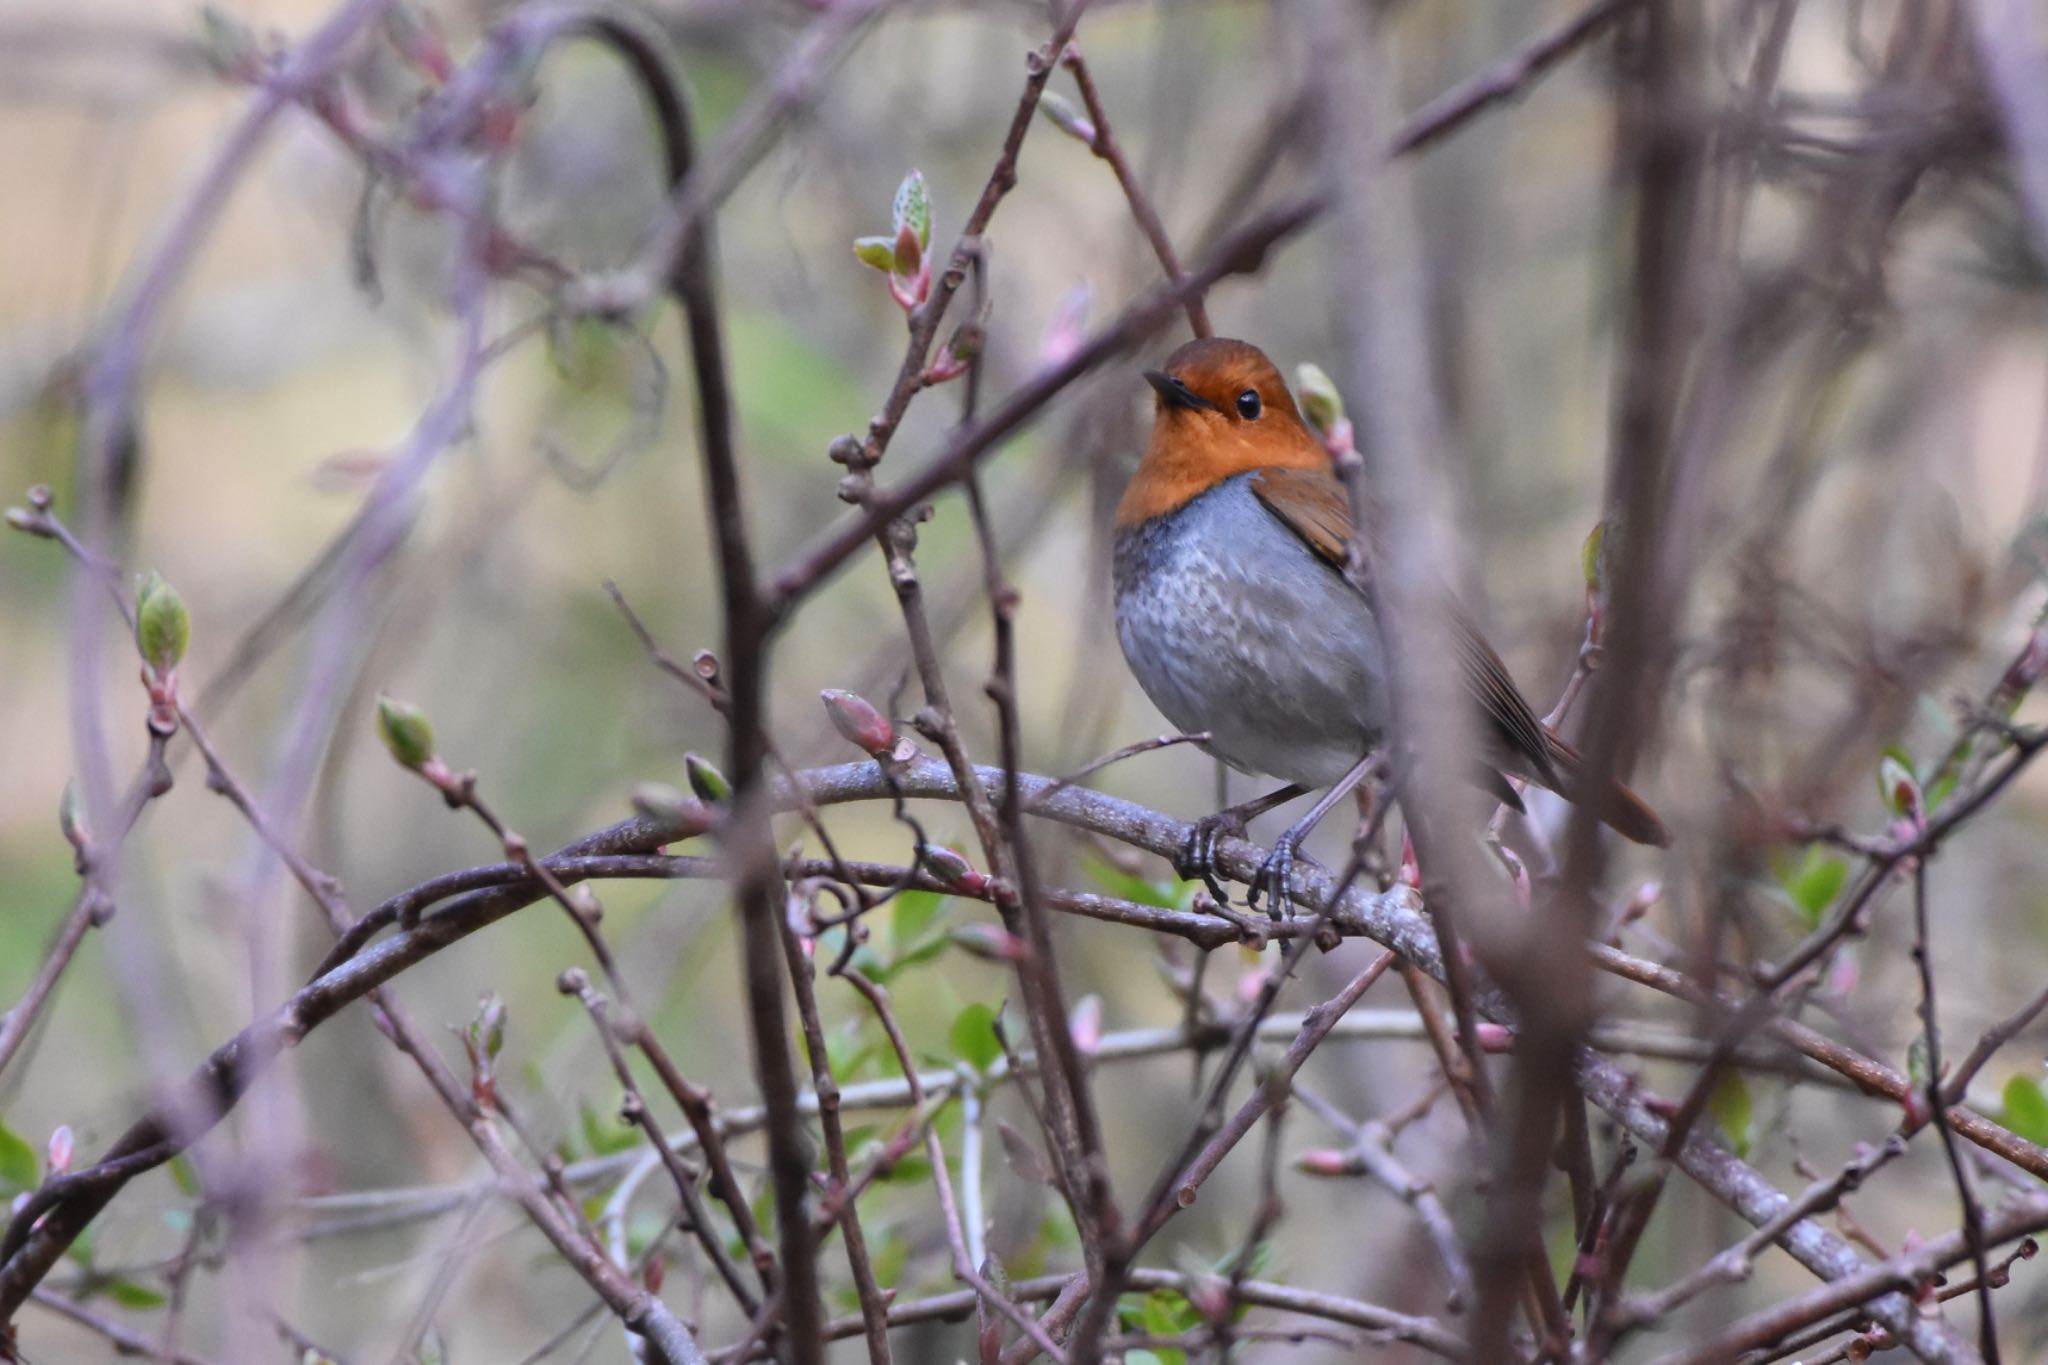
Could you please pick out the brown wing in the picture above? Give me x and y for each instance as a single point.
(1314, 505)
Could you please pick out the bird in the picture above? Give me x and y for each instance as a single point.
(1237, 618)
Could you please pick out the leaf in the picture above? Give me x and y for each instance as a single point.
(604, 1136)
(913, 208)
(1916, 1062)
(19, 1169)
(973, 1037)
(1023, 1157)
(129, 1294)
(879, 252)
(182, 1175)
(912, 913)
(1814, 882)
(1165, 895)
(1731, 1109)
(2026, 1109)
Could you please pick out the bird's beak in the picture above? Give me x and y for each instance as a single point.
(1176, 394)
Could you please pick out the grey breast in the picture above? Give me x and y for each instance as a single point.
(1233, 626)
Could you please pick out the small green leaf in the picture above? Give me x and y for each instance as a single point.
(19, 1169)
(603, 1135)
(706, 780)
(129, 1294)
(1165, 895)
(183, 1176)
(973, 1037)
(912, 914)
(913, 209)
(162, 625)
(2026, 1109)
(1916, 1062)
(911, 1170)
(879, 252)
(1813, 883)
(1731, 1109)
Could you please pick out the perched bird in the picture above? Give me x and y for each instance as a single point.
(1235, 614)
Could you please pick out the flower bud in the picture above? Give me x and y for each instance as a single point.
(1064, 334)
(406, 732)
(947, 866)
(418, 38)
(71, 817)
(1323, 1161)
(1321, 404)
(488, 1028)
(1590, 560)
(1084, 1025)
(1066, 117)
(57, 1155)
(706, 780)
(989, 942)
(1897, 786)
(228, 44)
(858, 722)
(671, 808)
(162, 625)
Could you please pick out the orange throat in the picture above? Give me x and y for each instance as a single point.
(1192, 452)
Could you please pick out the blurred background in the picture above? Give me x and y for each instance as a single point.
(1865, 515)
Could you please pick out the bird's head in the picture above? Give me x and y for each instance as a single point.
(1222, 409)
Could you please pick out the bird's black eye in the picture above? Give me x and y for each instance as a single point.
(1248, 405)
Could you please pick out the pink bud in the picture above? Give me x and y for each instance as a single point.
(1085, 1024)
(1411, 870)
(1322, 1161)
(1494, 1037)
(653, 1273)
(1063, 336)
(858, 721)
(989, 942)
(57, 1155)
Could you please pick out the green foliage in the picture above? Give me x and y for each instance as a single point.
(973, 1036)
(1812, 882)
(19, 1168)
(1732, 1110)
(1166, 894)
(602, 1134)
(2026, 1109)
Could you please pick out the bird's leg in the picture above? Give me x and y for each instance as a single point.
(1275, 877)
(1197, 857)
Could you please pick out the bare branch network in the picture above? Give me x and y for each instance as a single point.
(932, 1052)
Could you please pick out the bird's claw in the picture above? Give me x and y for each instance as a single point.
(1196, 860)
(1275, 880)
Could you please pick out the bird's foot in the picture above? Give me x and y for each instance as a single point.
(1196, 860)
(1275, 879)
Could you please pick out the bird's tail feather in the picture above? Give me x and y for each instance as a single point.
(1619, 808)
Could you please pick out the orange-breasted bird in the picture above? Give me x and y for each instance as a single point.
(1234, 611)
